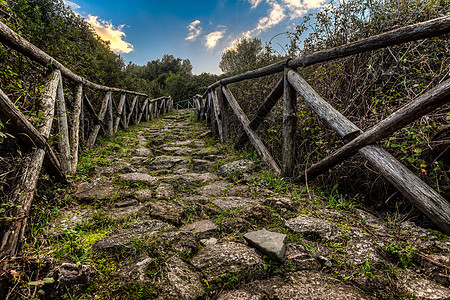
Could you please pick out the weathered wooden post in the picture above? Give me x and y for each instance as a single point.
(120, 112)
(77, 117)
(289, 127)
(109, 120)
(63, 136)
(224, 105)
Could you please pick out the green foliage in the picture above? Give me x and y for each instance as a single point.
(404, 253)
(248, 54)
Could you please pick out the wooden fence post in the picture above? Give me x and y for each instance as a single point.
(224, 105)
(289, 127)
(63, 136)
(75, 132)
(109, 119)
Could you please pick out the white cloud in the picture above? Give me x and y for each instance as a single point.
(276, 15)
(255, 3)
(72, 5)
(108, 32)
(213, 37)
(194, 30)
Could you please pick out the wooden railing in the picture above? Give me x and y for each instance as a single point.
(185, 104)
(214, 110)
(82, 125)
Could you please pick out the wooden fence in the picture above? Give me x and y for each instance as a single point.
(214, 110)
(185, 104)
(82, 125)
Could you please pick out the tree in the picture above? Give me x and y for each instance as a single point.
(247, 55)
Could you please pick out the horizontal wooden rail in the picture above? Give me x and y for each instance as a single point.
(430, 202)
(18, 43)
(394, 37)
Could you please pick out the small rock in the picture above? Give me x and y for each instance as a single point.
(218, 260)
(271, 243)
(360, 250)
(70, 280)
(226, 203)
(203, 228)
(135, 270)
(209, 242)
(298, 256)
(240, 190)
(166, 211)
(126, 203)
(165, 191)
(236, 167)
(139, 178)
(314, 228)
(143, 195)
(145, 152)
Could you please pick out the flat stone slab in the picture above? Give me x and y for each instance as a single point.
(139, 178)
(360, 250)
(238, 295)
(271, 243)
(315, 228)
(313, 285)
(421, 288)
(69, 220)
(218, 260)
(143, 195)
(191, 178)
(165, 191)
(125, 212)
(100, 188)
(214, 189)
(203, 228)
(202, 165)
(117, 241)
(236, 167)
(227, 203)
(166, 162)
(166, 211)
(180, 281)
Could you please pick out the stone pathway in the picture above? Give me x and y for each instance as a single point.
(174, 216)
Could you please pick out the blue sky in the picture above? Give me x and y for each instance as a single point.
(200, 31)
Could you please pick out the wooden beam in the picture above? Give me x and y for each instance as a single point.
(120, 109)
(434, 98)
(15, 41)
(415, 190)
(133, 104)
(223, 103)
(63, 136)
(323, 109)
(101, 115)
(289, 127)
(75, 129)
(254, 138)
(216, 109)
(142, 110)
(263, 111)
(109, 119)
